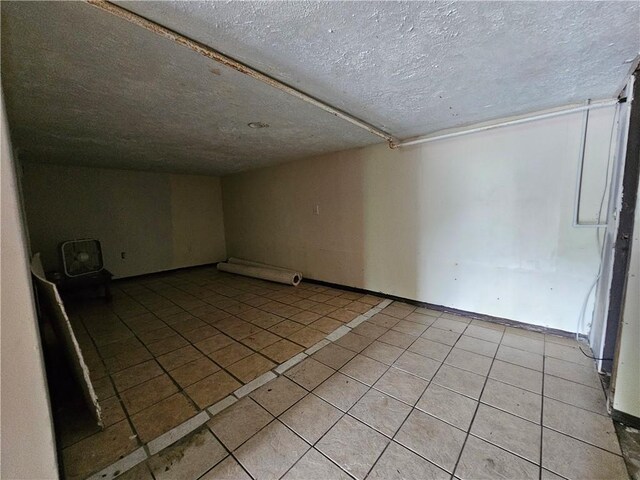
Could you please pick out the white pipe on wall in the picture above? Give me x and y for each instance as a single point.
(518, 121)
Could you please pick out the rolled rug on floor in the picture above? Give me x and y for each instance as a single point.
(271, 274)
(241, 261)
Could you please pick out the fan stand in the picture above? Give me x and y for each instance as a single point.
(97, 281)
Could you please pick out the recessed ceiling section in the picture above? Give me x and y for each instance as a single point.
(86, 87)
(412, 68)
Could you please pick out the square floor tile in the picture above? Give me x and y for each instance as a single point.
(482, 461)
(574, 459)
(239, 422)
(517, 401)
(523, 343)
(587, 426)
(507, 431)
(575, 394)
(307, 336)
(230, 354)
(251, 367)
(99, 450)
(461, 381)
(398, 339)
(211, 389)
(188, 458)
(431, 349)
(398, 463)
(370, 330)
(311, 417)
(341, 391)
(282, 350)
(309, 373)
(136, 375)
(517, 376)
(410, 328)
(383, 320)
(569, 354)
(325, 324)
(520, 357)
(450, 324)
(401, 385)
(354, 342)
(364, 369)
(353, 445)
(432, 439)
(381, 412)
(334, 356)
(177, 358)
(586, 375)
(148, 393)
(162, 417)
(448, 405)
(315, 466)
(192, 372)
(483, 332)
(214, 343)
(228, 469)
(476, 345)
(271, 452)
(446, 337)
(278, 395)
(260, 340)
(383, 352)
(472, 362)
(418, 365)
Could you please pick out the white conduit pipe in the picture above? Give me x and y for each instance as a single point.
(219, 57)
(519, 121)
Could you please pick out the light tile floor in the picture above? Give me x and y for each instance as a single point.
(170, 345)
(413, 394)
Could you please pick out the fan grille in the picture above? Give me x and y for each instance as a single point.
(81, 257)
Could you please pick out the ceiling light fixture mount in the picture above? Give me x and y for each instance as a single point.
(258, 125)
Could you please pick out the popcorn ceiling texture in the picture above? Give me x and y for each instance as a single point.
(85, 87)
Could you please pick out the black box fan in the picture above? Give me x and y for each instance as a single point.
(81, 257)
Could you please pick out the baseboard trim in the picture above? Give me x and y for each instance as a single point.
(625, 418)
(455, 311)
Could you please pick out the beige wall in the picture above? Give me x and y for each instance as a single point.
(28, 446)
(481, 222)
(161, 221)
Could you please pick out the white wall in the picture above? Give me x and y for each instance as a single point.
(161, 221)
(481, 222)
(28, 448)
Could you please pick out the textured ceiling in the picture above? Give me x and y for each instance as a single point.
(85, 87)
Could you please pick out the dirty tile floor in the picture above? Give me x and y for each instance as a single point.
(407, 393)
(171, 345)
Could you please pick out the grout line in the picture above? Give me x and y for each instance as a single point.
(283, 367)
(473, 418)
(177, 433)
(254, 384)
(218, 407)
(317, 346)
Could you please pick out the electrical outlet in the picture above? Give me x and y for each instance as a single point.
(316, 209)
